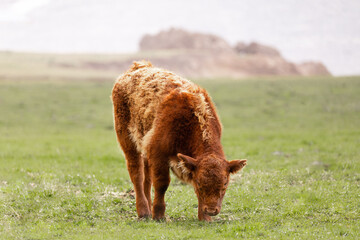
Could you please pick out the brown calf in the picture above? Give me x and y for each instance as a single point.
(166, 122)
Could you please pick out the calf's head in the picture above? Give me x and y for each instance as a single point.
(210, 178)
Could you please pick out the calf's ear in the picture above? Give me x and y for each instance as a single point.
(236, 165)
(189, 163)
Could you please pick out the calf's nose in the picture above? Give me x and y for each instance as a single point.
(211, 211)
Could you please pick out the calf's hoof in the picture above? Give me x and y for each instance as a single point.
(158, 217)
(158, 212)
(144, 216)
(144, 213)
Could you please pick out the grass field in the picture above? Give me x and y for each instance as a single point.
(62, 175)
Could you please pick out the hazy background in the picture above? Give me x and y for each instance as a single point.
(320, 30)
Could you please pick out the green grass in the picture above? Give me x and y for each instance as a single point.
(62, 174)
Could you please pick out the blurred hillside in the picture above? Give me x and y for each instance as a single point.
(195, 55)
(206, 55)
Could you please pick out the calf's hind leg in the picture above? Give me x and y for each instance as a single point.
(147, 181)
(134, 161)
(135, 167)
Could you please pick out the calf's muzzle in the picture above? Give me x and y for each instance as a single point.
(211, 211)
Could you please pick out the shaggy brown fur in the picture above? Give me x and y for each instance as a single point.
(166, 122)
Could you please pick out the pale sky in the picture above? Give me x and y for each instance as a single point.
(319, 30)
